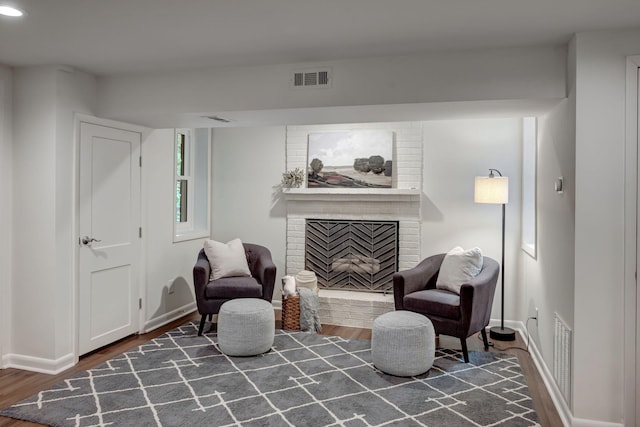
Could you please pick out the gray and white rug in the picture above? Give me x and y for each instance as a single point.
(180, 379)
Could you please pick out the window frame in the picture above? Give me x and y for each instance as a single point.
(182, 227)
(197, 223)
(529, 185)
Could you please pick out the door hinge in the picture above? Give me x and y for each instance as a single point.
(140, 160)
(140, 232)
(140, 303)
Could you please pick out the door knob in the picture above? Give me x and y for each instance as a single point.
(86, 240)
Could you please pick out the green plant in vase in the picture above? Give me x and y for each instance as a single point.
(293, 178)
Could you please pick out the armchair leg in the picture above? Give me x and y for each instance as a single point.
(465, 353)
(202, 320)
(483, 331)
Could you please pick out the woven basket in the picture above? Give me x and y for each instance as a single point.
(291, 312)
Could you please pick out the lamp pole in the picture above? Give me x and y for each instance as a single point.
(501, 333)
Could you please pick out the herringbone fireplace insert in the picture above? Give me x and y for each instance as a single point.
(352, 255)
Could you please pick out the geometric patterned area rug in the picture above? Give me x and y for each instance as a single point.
(181, 379)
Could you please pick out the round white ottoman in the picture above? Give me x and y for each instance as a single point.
(246, 327)
(403, 343)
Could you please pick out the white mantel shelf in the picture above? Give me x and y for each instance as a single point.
(349, 194)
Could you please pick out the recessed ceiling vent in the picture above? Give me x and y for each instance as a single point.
(218, 119)
(318, 78)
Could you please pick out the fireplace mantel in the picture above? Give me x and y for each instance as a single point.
(348, 194)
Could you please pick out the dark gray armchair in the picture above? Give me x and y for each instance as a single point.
(455, 315)
(210, 295)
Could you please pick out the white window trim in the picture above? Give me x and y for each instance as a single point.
(529, 185)
(186, 226)
(188, 230)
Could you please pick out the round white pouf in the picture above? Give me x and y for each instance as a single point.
(246, 327)
(403, 343)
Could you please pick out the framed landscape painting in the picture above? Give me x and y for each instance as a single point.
(355, 159)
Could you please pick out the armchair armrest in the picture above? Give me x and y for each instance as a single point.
(201, 275)
(476, 297)
(265, 273)
(262, 268)
(415, 279)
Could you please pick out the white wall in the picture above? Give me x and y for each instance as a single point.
(493, 74)
(45, 100)
(6, 190)
(599, 222)
(247, 168)
(75, 93)
(455, 152)
(548, 280)
(166, 262)
(34, 275)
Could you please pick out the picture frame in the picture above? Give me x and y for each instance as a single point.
(350, 159)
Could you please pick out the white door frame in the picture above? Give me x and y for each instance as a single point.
(144, 132)
(631, 247)
(5, 307)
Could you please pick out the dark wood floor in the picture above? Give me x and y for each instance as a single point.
(16, 384)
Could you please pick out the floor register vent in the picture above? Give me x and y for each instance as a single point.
(318, 78)
(562, 344)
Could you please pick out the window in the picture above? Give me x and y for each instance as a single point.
(183, 176)
(529, 160)
(191, 190)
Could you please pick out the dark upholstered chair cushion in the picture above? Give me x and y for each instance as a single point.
(233, 287)
(210, 295)
(437, 302)
(456, 315)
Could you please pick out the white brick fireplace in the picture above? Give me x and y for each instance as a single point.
(400, 203)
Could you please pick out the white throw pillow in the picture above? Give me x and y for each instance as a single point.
(226, 259)
(458, 267)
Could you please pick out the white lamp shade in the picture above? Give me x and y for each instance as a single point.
(492, 189)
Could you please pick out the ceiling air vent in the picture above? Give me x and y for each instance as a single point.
(320, 77)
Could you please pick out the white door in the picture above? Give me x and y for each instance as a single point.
(109, 221)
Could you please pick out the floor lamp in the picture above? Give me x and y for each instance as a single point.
(495, 190)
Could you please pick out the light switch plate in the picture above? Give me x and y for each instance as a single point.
(559, 185)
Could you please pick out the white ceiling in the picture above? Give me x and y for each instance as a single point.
(114, 37)
(108, 37)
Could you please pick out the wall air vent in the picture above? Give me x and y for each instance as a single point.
(318, 78)
(562, 355)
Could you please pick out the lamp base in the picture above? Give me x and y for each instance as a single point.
(502, 334)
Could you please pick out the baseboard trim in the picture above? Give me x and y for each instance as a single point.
(39, 364)
(169, 317)
(547, 378)
(565, 413)
(579, 422)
